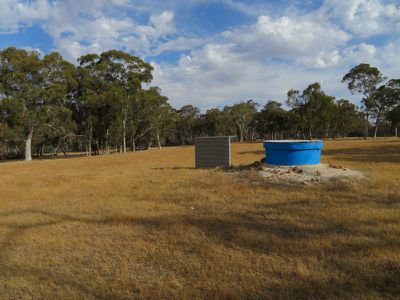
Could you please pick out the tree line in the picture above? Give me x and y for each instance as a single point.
(105, 104)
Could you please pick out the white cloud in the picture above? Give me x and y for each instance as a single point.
(87, 26)
(386, 57)
(286, 37)
(180, 44)
(360, 52)
(365, 17)
(389, 57)
(259, 61)
(264, 60)
(240, 80)
(16, 14)
(215, 76)
(322, 59)
(163, 23)
(159, 26)
(82, 35)
(241, 63)
(144, 39)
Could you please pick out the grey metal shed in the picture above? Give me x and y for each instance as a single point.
(213, 151)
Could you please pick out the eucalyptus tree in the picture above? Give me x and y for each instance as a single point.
(393, 116)
(109, 90)
(57, 134)
(295, 124)
(273, 120)
(213, 123)
(36, 86)
(364, 79)
(295, 102)
(125, 74)
(157, 114)
(11, 134)
(314, 107)
(241, 115)
(187, 121)
(345, 119)
(385, 97)
(89, 96)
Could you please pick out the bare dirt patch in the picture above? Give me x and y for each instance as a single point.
(306, 174)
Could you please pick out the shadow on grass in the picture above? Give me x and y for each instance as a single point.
(47, 157)
(339, 244)
(172, 168)
(20, 271)
(258, 152)
(385, 154)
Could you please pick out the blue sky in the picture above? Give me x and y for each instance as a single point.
(213, 53)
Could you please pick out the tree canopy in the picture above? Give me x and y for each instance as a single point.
(364, 79)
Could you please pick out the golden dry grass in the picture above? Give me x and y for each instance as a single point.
(148, 225)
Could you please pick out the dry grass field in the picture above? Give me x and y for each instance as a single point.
(148, 225)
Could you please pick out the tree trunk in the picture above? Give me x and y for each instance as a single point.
(89, 143)
(28, 145)
(241, 134)
(149, 143)
(89, 148)
(366, 126)
(376, 129)
(133, 144)
(343, 131)
(395, 131)
(107, 150)
(158, 141)
(327, 131)
(253, 134)
(124, 136)
(376, 125)
(64, 152)
(98, 150)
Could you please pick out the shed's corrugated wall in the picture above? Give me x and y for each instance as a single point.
(213, 151)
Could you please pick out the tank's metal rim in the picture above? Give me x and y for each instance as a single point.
(292, 141)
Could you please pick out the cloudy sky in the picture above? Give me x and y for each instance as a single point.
(216, 52)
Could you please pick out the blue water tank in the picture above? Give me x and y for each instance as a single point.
(293, 152)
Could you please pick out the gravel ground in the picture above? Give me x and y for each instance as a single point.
(307, 173)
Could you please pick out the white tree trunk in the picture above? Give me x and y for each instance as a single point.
(395, 131)
(376, 130)
(158, 141)
(376, 125)
(133, 144)
(28, 145)
(124, 136)
(107, 150)
(90, 141)
(89, 148)
(366, 126)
